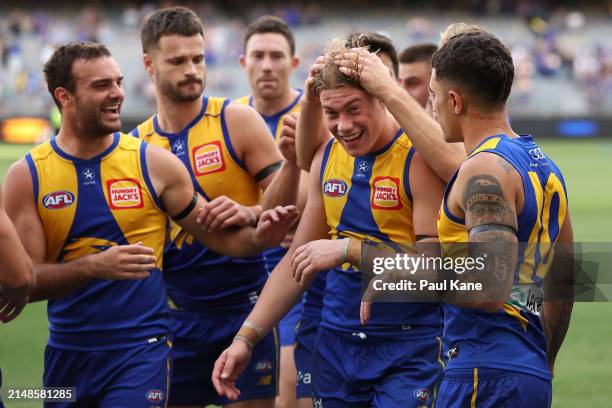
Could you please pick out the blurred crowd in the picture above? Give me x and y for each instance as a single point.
(563, 61)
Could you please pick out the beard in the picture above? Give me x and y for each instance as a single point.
(179, 93)
(90, 123)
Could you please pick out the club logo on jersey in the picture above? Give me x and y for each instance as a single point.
(58, 200)
(124, 194)
(363, 167)
(386, 193)
(208, 158)
(263, 366)
(76, 248)
(334, 188)
(178, 148)
(89, 176)
(422, 394)
(155, 396)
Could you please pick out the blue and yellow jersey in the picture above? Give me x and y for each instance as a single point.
(274, 255)
(512, 338)
(275, 121)
(197, 278)
(87, 206)
(369, 198)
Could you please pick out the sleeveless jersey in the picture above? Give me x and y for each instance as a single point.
(197, 278)
(369, 198)
(275, 121)
(313, 298)
(87, 206)
(512, 338)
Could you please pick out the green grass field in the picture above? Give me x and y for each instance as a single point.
(584, 367)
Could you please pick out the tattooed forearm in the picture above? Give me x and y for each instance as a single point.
(556, 320)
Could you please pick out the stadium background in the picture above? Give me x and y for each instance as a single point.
(562, 95)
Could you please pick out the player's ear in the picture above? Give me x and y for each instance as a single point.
(148, 63)
(243, 61)
(62, 95)
(455, 101)
(295, 61)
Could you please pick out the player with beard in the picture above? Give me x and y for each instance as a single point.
(269, 60)
(91, 208)
(231, 156)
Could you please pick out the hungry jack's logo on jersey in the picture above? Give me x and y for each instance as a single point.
(386, 193)
(208, 158)
(58, 200)
(334, 188)
(124, 194)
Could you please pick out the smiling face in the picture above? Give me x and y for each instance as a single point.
(177, 67)
(355, 118)
(97, 98)
(268, 63)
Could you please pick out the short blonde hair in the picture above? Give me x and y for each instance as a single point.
(455, 29)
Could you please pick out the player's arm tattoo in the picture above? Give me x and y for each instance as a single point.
(492, 225)
(556, 320)
(559, 284)
(485, 204)
(505, 165)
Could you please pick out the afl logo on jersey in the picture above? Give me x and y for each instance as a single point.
(422, 394)
(58, 200)
(124, 194)
(208, 158)
(386, 193)
(155, 396)
(334, 188)
(263, 366)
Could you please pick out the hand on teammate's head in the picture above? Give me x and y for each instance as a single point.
(309, 96)
(366, 67)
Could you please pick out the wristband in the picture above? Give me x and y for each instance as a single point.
(345, 251)
(249, 333)
(253, 326)
(245, 340)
